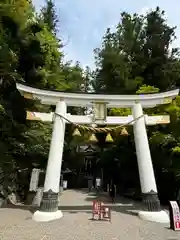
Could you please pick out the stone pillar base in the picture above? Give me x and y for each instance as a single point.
(151, 202)
(160, 217)
(39, 216)
(49, 201)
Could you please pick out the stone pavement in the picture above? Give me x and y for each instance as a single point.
(16, 223)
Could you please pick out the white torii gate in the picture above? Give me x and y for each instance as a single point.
(49, 205)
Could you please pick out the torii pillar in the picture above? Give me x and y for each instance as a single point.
(49, 206)
(146, 173)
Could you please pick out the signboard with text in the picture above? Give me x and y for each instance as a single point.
(100, 212)
(174, 212)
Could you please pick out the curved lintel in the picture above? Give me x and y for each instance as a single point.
(85, 99)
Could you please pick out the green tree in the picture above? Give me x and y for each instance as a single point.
(137, 53)
(49, 16)
(137, 58)
(158, 54)
(29, 53)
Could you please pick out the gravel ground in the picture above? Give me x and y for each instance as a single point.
(16, 224)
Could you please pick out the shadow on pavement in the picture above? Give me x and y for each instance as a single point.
(121, 205)
(29, 208)
(131, 210)
(125, 209)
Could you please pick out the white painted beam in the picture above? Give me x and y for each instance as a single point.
(154, 120)
(82, 119)
(82, 99)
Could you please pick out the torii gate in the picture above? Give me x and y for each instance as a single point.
(49, 205)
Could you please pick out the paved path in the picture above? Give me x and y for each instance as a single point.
(16, 224)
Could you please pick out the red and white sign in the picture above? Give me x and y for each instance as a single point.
(175, 216)
(99, 211)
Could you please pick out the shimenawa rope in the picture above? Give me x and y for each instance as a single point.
(97, 130)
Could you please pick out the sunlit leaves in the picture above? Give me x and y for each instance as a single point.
(147, 89)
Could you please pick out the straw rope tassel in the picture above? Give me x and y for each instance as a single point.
(76, 132)
(93, 138)
(109, 138)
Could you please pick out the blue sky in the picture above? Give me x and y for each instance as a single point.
(83, 22)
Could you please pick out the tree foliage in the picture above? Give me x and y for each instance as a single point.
(30, 53)
(138, 57)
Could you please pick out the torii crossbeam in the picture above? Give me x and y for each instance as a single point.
(87, 119)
